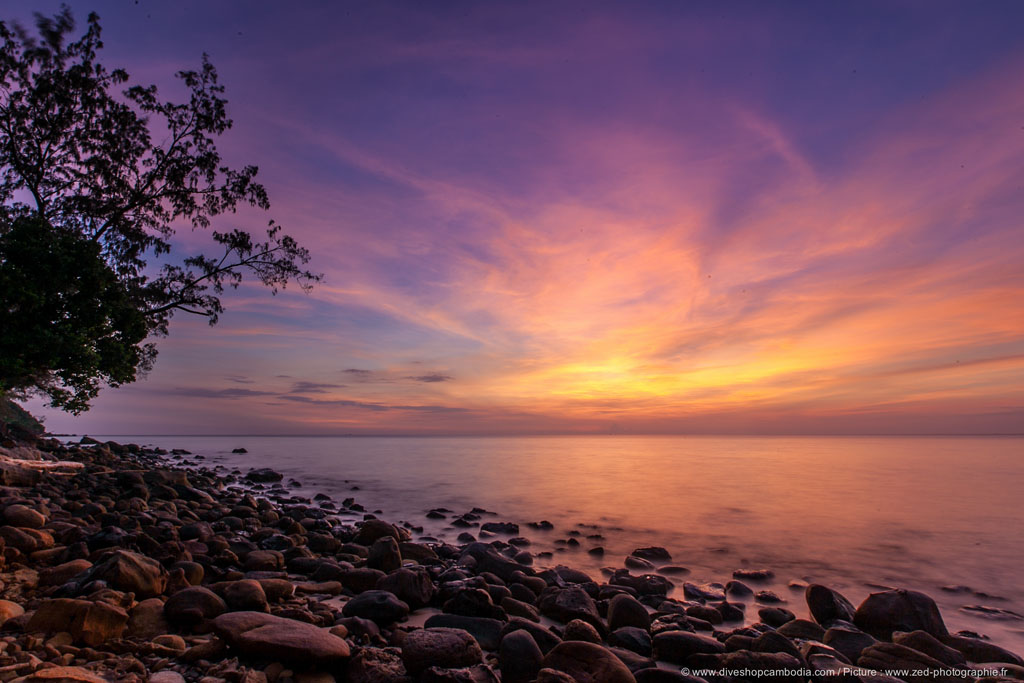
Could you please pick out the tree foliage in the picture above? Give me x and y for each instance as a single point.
(101, 173)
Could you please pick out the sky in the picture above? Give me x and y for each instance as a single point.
(603, 217)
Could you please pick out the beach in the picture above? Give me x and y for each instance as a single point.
(152, 564)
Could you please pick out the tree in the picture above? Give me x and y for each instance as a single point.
(89, 202)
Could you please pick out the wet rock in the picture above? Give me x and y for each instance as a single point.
(191, 606)
(653, 553)
(263, 475)
(646, 584)
(500, 528)
(518, 608)
(474, 602)
(634, 562)
(478, 673)
(587, 663)
(62, 573)
(372, 529)
(827, 605)
(89, 623)
(773, 641)
(519, 658)
(679, 646)
(775, 616)
(704, 591)
(444, 647)
(899, 610)
(625, 610)
(9, 610)
(264, 560)
(754, 574)
(268, 637)
(768, 597)
(738, 589)
(552, 676)
(380, 607)
(61, 674)
(977, 650)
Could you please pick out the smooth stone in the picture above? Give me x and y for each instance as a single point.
(679, 646)
(519, 658)
(625, 610)
(899, 610)
(376, 665)
(545, 639)
(89, 623)
(245, 595)
(577, 629)
(632, 638)
(191, 606)
(487, 632)
(848, 640)
(384, 554)
(381, 607)
(775, 616)
(827, 605)
(411, 586)
(268, 637)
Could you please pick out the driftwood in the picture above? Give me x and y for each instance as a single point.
(24, 466)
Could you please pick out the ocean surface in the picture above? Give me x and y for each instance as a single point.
(855, 513)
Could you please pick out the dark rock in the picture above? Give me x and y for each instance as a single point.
(89, 623)
(754, 574)
(931, 646)
(487, 632)
(245, 595)
(848, 640)
(704, 591)
(478, 673)
(803, 629)
(381, 607)
(653, 553)
(130, 572)
(474, 602)
(500, 528)
(631, 638)
(566, 604)
(587, 663)
(625, 610)
(384, 554)
(191, 606)
(899, 610)
(376, 665)
(577, 629)
(544, 638)
(443, 647)
(519, 658)
(264, 475)
(738, 589)
(892, 656)
(980, 651)
(679, 646)
(827, 605)
(411, 586)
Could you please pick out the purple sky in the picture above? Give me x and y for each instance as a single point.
(596, 216)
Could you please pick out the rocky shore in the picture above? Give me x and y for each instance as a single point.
(119, 566)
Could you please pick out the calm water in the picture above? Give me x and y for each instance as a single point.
(918, 513)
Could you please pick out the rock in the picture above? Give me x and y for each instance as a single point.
(411, 586)
(849, 641)
(268, 637)
(653, 553)
(625, 610)
(445, 647)
(552, 676)
(384, 554)
(738, 589)
(679, 646)
(487, 632)
(191, 606)
(803, 629)
(24, 516)
(89, 623)
(827, 605)
(126, 571)
(376, 665)
(981, 651)
(634, 562)
(899, 610)
(775, 616)
(166, 676)
(519, 658)
(500, 528)
(61, 674)
(633, 639)
(704, 591)
(263, 475)
(146, 620)
(566, 604)
(478, 673)
(754, 574)
(381, 607)
(773, 641)
(577, 629)
(62, 573)
(245, 595)
(931, 646)
(518, 608)
(892, 656)
(587, 663)
(239, 450)
(9, 610)
(545, 639)
(171, 642)
(372, 529)
(264, 561)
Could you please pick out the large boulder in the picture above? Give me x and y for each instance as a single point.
(411, 586)
(268, 637)
(892, 656)
(61, 674)
(192, 606)
(89, 623)
(587, 663)
(679, 646)
(448, 648)
(566, 604)
(625, 610)
(126, 571)
(899, 610)
(519, 658)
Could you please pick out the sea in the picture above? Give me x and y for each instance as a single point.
(942, 515)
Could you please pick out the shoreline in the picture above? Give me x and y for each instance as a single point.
(248, 580)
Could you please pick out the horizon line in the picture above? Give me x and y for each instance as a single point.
(549, 434)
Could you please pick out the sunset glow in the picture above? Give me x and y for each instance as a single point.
(612, 220)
